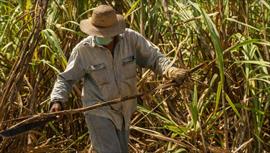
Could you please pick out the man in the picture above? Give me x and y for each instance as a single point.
(106, 62)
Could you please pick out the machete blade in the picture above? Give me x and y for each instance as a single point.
(21, 128)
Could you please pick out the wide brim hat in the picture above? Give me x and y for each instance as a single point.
(104, 22)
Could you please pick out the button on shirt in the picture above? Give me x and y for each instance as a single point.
(106, 76)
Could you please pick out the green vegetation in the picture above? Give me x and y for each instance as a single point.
(224, 108)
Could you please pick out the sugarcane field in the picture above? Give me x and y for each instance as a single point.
(135, 76)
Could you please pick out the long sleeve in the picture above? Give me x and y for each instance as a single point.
(149, 56)
(66, 79)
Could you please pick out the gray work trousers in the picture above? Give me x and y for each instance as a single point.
(104, 136)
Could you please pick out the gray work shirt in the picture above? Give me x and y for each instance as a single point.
(106, 77)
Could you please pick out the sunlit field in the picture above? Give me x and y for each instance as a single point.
(222, 108)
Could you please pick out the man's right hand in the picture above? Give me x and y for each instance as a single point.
(56, 106)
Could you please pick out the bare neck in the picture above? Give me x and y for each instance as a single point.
(111, 45)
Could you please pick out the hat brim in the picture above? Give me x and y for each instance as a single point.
(87, 27)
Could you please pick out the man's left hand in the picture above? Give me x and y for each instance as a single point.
(177, 74)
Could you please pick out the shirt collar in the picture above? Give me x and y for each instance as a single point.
(93, 44)
(120, 36)
(89, 41)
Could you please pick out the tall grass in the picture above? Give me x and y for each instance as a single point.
(225, 108)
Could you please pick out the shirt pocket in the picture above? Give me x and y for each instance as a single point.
(129, 67)
(99, 73)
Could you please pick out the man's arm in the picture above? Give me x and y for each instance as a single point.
(149, 56)
(65, 80)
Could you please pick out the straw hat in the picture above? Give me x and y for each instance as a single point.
(103, 23)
